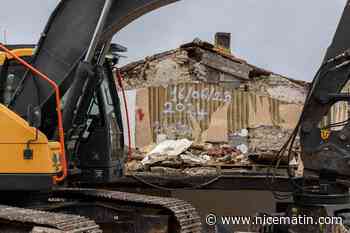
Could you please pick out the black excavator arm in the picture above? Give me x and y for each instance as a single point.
(326, 150)
(325, 146)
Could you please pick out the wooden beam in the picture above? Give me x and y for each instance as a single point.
(222, 64)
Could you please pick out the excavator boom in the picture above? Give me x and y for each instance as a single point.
(328, 154)
(66, 39)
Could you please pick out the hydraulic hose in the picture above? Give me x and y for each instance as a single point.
(120, 83)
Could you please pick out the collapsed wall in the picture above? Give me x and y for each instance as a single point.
(212, 107)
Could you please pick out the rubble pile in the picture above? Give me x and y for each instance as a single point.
(266, 141)
(172, 157)
(184, 156)
(269, 139)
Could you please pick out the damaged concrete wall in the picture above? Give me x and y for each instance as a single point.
(281, 88)
(203, 112)
(159, 70)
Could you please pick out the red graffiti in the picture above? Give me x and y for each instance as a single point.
(140, 114)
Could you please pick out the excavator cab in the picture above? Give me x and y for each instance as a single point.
(11, 71)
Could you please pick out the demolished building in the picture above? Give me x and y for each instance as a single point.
(232, 112)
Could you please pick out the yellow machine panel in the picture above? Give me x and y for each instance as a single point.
(14, 138)
(2, 58)
(24, 52)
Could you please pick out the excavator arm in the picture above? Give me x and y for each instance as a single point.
(324, 149)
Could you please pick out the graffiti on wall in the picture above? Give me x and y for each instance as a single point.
(189, 100)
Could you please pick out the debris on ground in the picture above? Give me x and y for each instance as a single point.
(268, 140)
(171, 147)
(172, 156)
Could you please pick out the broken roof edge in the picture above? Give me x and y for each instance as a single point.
(255, 73)
(156, 56)
(210, 47)
(260, 72)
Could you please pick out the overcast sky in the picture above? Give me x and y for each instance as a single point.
(287, 37)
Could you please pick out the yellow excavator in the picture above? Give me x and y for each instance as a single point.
(61, 132)
(36, 165)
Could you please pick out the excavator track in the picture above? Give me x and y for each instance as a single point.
(17, 219)
(187, 218)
